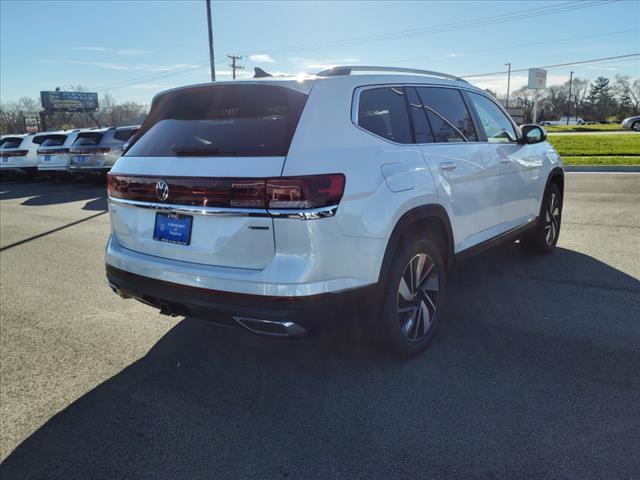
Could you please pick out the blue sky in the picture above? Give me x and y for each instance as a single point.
(135, 49)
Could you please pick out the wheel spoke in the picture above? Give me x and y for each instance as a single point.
(417, 277)
(404, 290)
(426, 317)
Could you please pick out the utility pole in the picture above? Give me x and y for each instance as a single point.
(569, 101)
(213, 68)
(508, 83)
(234, 66)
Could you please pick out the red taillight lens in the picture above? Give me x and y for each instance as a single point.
(305, 192)
(89, 151)
(14, 153)
(271, 193)
(53, 151)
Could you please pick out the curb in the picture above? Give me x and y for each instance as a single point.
(603, 168)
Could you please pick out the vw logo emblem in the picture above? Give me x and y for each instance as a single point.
(162, 190)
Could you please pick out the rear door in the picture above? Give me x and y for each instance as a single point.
(465, 172)
(195, 171)
(520, 165)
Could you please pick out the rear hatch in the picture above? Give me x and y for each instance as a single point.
(191, 186)
(52, 152)
(87, 150)
(11, 153)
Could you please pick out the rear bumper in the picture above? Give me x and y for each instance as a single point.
(279, 316)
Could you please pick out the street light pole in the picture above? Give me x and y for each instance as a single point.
(508, 83)
(569, 101)
(213, 68)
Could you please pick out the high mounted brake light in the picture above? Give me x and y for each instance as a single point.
(278, 193)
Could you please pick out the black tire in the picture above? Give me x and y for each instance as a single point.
(388, 330)
(545, 237)
(635, 126)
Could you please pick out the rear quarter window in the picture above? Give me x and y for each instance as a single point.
(383, 112)
(221, 120)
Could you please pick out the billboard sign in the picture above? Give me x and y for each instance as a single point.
(31, 124)
(69, 101)
(537, 78)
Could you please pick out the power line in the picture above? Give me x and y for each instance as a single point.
(547, 67)
(509, 47)
(441, 28)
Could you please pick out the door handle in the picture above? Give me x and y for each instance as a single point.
(505, 160)
(448, 166)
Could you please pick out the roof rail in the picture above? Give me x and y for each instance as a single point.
(347, 69)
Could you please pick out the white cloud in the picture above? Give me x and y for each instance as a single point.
(124, 66)
(117, 51)
(261, 58)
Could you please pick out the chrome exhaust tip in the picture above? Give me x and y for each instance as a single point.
(271, 327)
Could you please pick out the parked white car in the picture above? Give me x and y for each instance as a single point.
(18, 154)
(275, 203)
(96, 150)
(53, 152)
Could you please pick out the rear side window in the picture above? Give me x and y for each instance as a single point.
(448, 114)
(10, 142)
(421, 126)
(495, 123)
(383, 112)
(87, 139)
(221, 120)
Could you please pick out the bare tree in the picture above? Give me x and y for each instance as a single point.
(628, 94)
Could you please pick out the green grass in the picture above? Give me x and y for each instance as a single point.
(605, 160)
(584, 128)
(596, 145)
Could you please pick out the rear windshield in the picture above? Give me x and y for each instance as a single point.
(10, 142)
(88, 139)
(51, 140)
(124, 134)
(221, 120)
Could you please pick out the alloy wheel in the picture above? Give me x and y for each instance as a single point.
(418, 297)
(552, 220)
(636, 126)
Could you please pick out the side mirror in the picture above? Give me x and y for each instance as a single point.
(533, 134)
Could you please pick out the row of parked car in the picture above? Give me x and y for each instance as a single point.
(92, 151)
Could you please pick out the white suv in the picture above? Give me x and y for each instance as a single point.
(276, 203)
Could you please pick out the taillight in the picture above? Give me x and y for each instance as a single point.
(312, 191)
(14, 153)
(53, 151)
(278, 193)
(89, 151)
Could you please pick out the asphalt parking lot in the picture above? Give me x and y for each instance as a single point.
(534, 372)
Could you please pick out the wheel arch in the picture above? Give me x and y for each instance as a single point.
(432, 218)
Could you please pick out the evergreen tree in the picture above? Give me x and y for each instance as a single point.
(600, 99)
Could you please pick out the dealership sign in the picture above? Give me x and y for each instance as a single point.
(537, 78)
(69, 101)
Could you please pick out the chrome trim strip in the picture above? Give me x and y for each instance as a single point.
(192, 209)
(311, 214)
(300, 214)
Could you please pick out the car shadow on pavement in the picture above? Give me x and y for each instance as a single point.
(49, 192)
(532, 374)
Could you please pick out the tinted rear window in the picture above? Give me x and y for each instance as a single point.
(383, 111)
(10, 142)
(221, 120)
(52, 140)
(88, 139)
(124, 134)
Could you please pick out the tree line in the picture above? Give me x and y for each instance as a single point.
(15, 115)
(599, 100)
